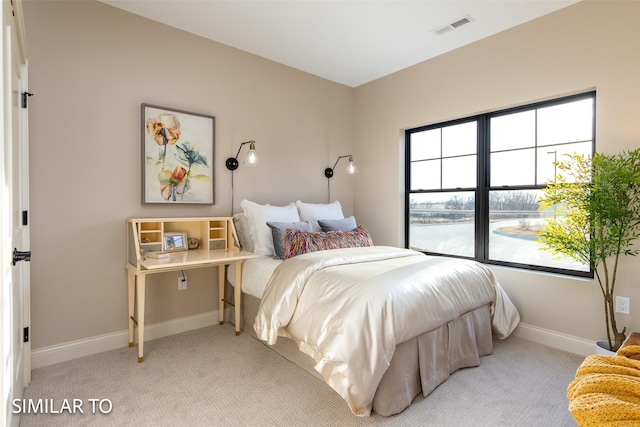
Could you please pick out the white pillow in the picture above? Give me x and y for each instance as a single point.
(258, 215)
(312, 212)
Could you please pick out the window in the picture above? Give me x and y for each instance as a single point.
(472, 185)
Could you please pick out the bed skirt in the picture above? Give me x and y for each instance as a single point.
(418, 365)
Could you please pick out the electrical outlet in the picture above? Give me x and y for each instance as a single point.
(622, 305)
(182, 283)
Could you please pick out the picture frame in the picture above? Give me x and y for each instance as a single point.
(174, 242)
(177, 156)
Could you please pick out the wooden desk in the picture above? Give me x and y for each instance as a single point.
(218, 248)
(182, 261)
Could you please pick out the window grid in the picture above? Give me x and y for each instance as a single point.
(484, 189)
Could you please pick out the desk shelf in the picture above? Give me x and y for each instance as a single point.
(147, 234)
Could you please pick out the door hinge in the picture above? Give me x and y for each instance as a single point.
(25, 96)
(25, 334)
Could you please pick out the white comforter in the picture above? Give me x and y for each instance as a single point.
(348, 308)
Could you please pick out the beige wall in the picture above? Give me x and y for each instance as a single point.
(91, 66)
(591, 45)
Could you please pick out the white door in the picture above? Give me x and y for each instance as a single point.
(15, 371)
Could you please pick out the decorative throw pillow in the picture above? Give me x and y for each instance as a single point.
(258, 215)
(277, 232)
(301, 242)
(312, 212)
(345, 224)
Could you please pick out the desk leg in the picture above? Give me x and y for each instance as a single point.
(221, 293)
(140, 297)
(131, 285)
(237, 293)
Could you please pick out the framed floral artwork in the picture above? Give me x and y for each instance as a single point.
(177, 156)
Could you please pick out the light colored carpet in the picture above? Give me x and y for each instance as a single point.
(210, 377)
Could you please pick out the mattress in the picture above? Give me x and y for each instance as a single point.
(255, 274)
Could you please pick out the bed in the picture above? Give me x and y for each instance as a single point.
(379, 324)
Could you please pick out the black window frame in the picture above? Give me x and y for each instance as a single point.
(483, 187)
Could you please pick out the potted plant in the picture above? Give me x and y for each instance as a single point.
(597, 205)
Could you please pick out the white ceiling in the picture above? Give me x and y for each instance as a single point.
(349, 42)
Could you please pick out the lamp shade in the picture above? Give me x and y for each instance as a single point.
(351, 167)
(252, 158)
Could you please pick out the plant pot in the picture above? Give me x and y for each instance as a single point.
(602, 347)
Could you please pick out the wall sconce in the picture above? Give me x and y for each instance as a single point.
(351, 167)
(251, 159)
(328, 172)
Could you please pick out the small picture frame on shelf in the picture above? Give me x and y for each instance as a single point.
(175, 241)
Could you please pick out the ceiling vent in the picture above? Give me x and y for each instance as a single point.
(453, 26)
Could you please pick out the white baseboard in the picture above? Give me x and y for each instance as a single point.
(74, 349)
(85, 347)
(555, 339)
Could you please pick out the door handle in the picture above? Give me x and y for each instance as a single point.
(21, 256)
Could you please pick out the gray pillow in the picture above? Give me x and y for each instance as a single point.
(345, 224)
(241, 223)
(277, 232)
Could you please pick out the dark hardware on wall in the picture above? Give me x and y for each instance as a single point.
(21, 256)
(24, 98)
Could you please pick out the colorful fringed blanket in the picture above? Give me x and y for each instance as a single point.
(606, 390)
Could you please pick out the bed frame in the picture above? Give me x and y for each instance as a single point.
(418, 365)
